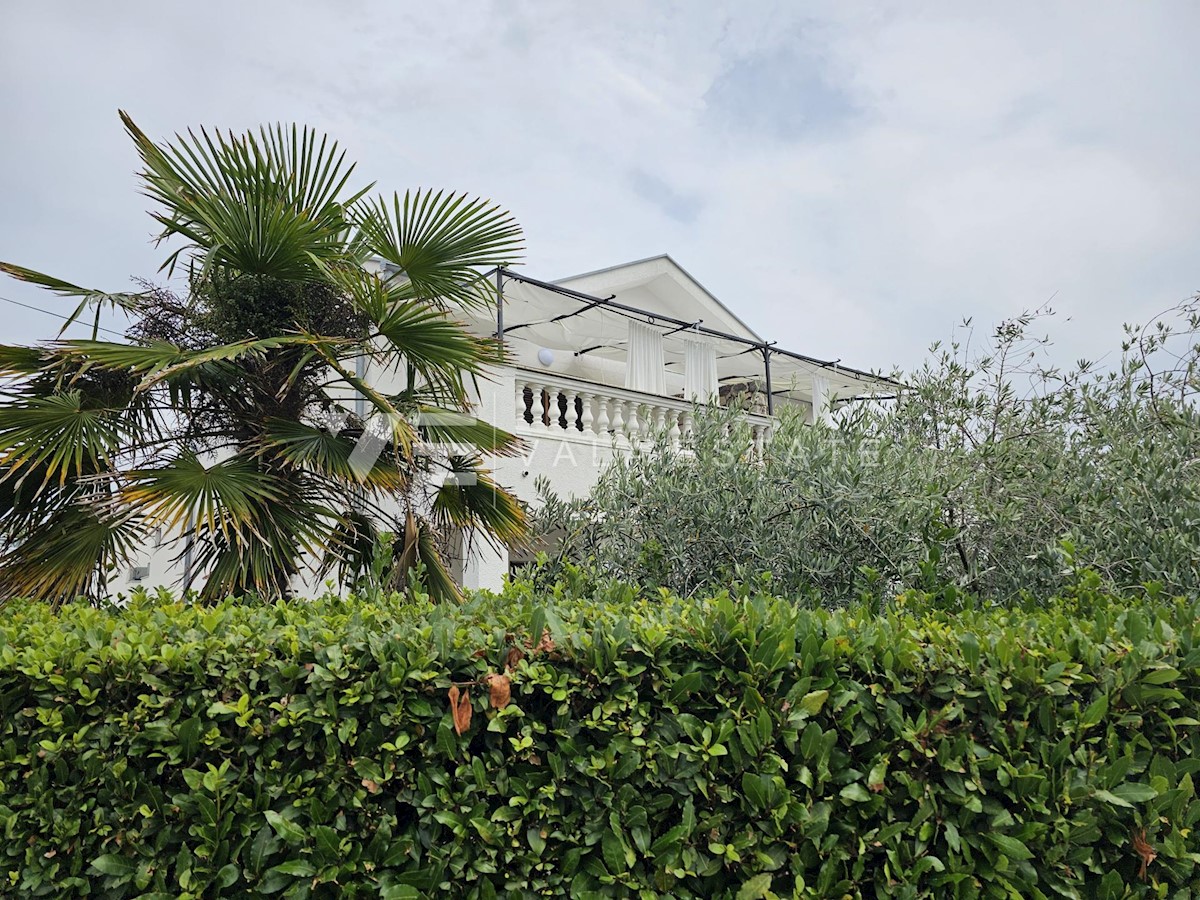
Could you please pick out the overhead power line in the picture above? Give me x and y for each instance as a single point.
(59, 316)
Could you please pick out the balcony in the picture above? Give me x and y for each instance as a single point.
(553, 405)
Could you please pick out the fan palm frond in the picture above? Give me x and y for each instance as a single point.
(394, 424)
(20, 360)
(127, 302)
(228, 497)
(418, 554)
(70, 554)
(268, 205)
(138, 359)
(438, 348)
(351, 547)
(470, 499)
(435, 576)
(330, 455)
(62, 436)
(188, 361)
(440, 241)
(461, 434)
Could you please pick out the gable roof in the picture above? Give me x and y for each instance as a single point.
(664, 286)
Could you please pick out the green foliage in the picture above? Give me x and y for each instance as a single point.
(988, 474)
(730, 746)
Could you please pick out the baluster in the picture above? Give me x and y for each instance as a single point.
(686, 434)
(546, 399)
(587, 421)
(673, 432)
(660, 421)
(603, 425)
(618, 419)
(525, 402)
(565, 409)
(634, 422)
(571, 413)
(757, 432)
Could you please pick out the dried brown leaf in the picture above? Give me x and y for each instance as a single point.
(499, 690)
(370, 785)
(460, 708)
(1143, 849)
(515, 655)
(464, 712)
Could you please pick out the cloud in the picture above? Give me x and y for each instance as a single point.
(850, 179)
(682, 207)
(782, 94)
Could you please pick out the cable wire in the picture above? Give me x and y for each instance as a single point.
(54, 314)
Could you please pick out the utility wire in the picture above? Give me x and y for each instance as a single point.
(54, 314)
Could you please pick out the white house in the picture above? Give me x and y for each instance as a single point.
(604, 359)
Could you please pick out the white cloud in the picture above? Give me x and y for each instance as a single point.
(852, 180)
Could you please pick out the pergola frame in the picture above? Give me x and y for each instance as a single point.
(591, 302)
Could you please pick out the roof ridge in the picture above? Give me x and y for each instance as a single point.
(692, 278)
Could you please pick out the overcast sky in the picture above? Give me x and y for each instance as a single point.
(852, 179)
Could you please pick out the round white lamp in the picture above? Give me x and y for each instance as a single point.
(546, 357)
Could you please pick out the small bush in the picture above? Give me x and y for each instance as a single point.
(724, 746)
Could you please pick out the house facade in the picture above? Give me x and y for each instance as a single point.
(596, 363)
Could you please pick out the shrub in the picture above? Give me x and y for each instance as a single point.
(989, 473)
(732, 745)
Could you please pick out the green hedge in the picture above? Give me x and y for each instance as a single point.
(654, 746)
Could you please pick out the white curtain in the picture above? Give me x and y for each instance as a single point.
(644, 367)
(700, 372)
(820, 401)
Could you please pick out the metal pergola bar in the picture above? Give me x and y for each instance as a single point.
(500, 304)
(584, 309)
(766, 352)
(689, 327)
(569, 315)
(763, 346)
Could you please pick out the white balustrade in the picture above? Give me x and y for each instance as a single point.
(549, 404)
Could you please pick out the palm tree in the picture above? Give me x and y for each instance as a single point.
(231, 417)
